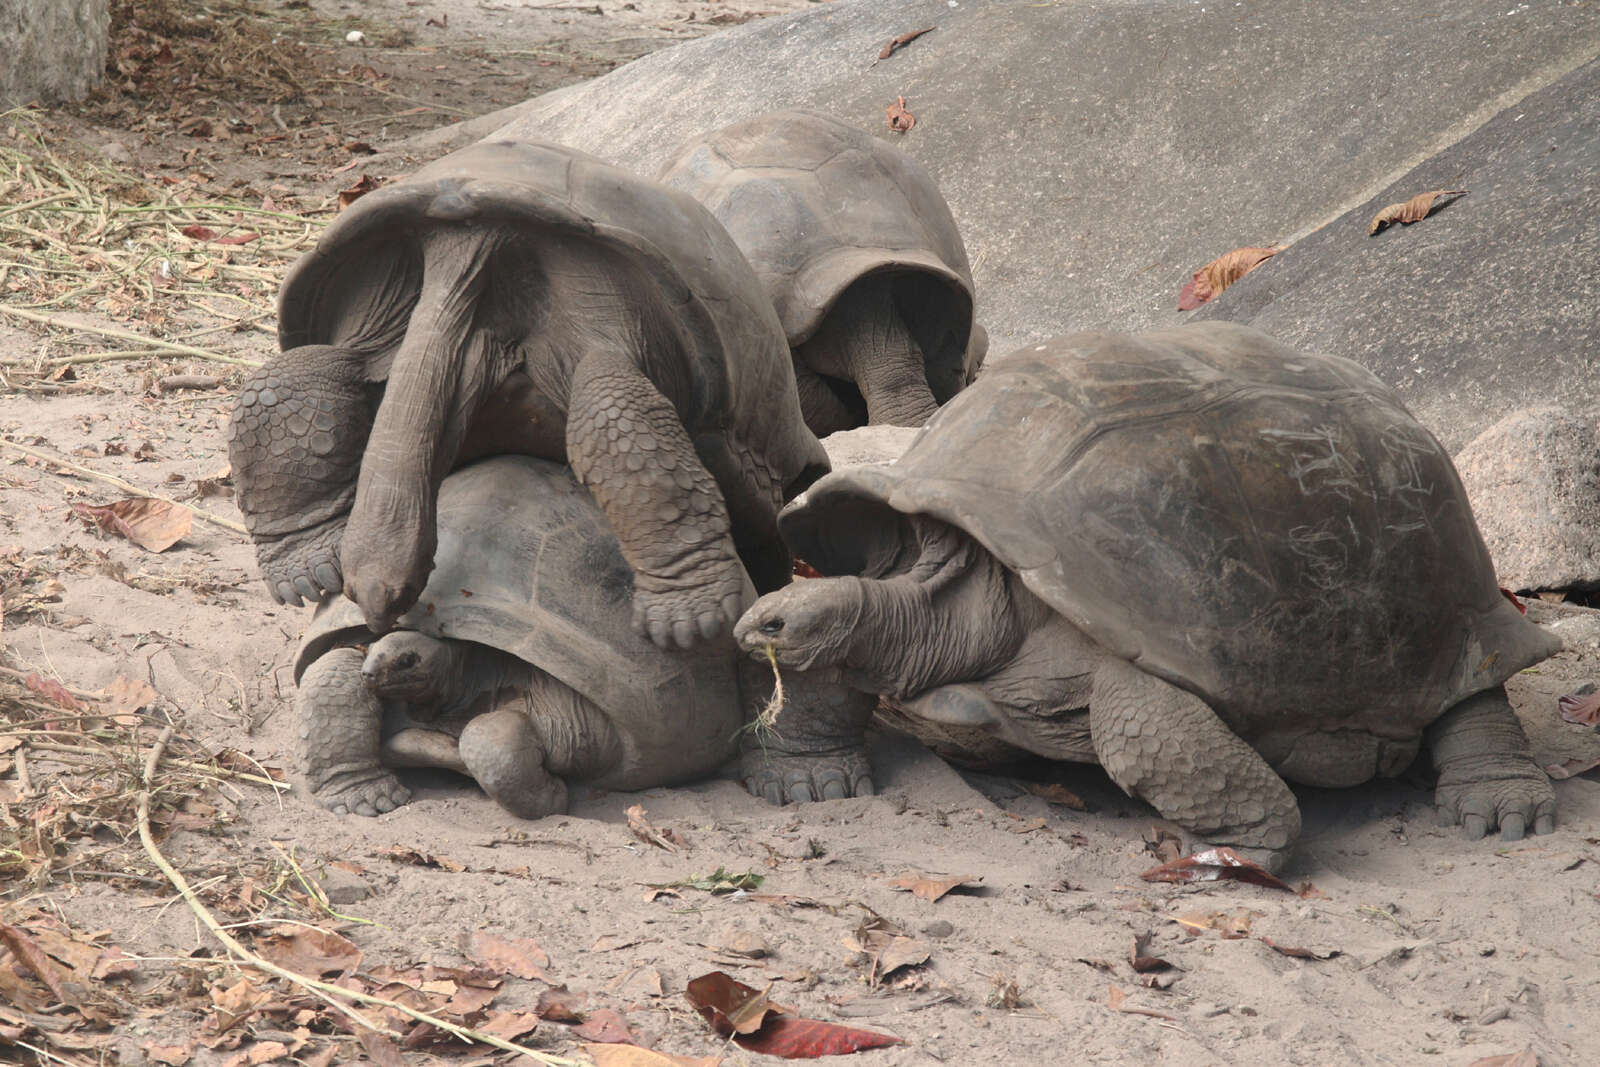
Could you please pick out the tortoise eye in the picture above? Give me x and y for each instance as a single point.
(407, 660)
(772, 626)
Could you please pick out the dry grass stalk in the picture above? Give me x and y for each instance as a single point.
(324, 991)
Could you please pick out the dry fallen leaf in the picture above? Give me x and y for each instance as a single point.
(521, 957)
(1231, 925)
(350, 195)
(606, 1026)
(1581, 707)
(644, 831)
(1414, 210)
(127, 695)
(1140, 961)
(930, 888)
(1220, 273)
(154, 525)
(560, 1005)
(1300, 953)
(1213, 865)
(1056, 793)
(900, 120)
(901, 41)
(633, 1056)
(726, 1003)
(309, 950)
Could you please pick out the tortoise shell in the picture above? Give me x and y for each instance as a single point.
(1267, 529)
(527, 564)
(817, 205)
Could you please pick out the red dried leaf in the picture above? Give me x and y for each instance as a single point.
(1057, 793)
(607, 1027)
(642, 828)
(722, 1002)
(153, 525)
(1416, 209)
(901, 41)
(900, 120)
(1220, 273)
(1142, 963)
(1509, 595)
(238, 238)
(1214, 865)
(1582, 708)
(521, 957)
(53, 691)
(198, 233)
(928, 888)
(171, 1055)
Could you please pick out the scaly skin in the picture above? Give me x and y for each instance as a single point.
(295, 443)
(1487, 775)
(814, 746)
(863, 339)
(627, 444)
(340, 723)
(1165, 746)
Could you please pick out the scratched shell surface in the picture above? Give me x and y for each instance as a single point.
(1269, 529)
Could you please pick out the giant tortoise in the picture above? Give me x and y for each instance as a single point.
(518, 665)
(522, 297)
(1206, 561)
(860, 255)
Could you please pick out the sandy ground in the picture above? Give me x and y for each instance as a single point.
(1421, 947)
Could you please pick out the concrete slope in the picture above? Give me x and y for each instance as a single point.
(1489, 305)
(1097, 152)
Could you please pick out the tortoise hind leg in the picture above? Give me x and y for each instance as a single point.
(299, 429)
(626, 442)
(1169, 748)
(532, 739)
(340, 726)
(1487, 774)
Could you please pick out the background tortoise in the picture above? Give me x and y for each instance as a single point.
(1247, 564)
(518, 666)
(860, 255)
(519, 297)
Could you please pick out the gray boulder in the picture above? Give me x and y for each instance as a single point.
(1096, 153)
(1487, 306)
(1534, 482)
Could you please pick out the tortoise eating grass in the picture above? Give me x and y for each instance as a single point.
(1201, 559)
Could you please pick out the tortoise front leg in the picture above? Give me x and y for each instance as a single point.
(1487, 774)
(814, 747)
(298, 432)
(626, 442)
(340, 726)
(1167, 747)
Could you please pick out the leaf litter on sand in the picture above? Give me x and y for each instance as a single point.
(153, 525)
(1220, 273)
(1215, 864)
(931, 888)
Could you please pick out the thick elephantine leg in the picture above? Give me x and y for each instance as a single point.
(340, 724)
(814, 747)
(1487, 775)
(503, 751)
(627, 444)
(445, 369)
(865, 340)
(822, 408)
(299, 428)
(1169, 748)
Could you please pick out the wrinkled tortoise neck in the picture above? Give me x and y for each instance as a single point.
(949, 619)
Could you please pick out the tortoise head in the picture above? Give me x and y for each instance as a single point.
(404, 665)
(807, 623)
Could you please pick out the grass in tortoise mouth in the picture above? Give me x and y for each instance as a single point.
(763, 726)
